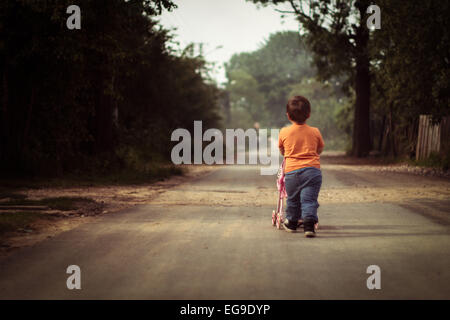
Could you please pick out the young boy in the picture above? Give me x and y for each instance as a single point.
(301, 146)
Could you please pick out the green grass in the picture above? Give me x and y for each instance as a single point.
(64, 203)
(434, 161)
(386, 160)
(57, 203)
(127, 177)
(11, 221)
(11, 195)
(124, 177)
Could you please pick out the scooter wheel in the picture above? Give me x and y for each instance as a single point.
(274, 218)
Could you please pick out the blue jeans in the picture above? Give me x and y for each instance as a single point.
(302, 187)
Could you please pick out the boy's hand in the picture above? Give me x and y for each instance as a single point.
(282, 151)
(319, 150)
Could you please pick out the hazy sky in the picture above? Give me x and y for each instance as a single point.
(236, 25)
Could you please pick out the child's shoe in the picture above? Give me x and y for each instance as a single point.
(309, 228)
(300, 224)
(289, 227)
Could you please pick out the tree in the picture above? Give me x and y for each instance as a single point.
(281, 61)
(411, 70)
(337, 34)
(84, 99)
(245, 95)
(327, 109)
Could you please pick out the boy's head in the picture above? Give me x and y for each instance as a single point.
(298, 109)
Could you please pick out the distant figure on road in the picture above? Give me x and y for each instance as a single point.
(301, 146)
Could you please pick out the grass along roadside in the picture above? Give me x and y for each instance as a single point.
(54, 203)
(437, 166)
(20, 215)
(72, 201)
(18, 211)
(125, 177)
(435, 161)
(20, 221)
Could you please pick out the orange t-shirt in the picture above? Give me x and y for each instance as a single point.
(300, 143)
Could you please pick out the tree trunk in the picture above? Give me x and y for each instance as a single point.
(104, 124)
(5, 123)
(28, 120)
(389, 145)
(104, 117)
(380, 139)
(361, 126)
(393, 150)
(227, 107)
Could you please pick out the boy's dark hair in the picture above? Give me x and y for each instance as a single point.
(298, 109)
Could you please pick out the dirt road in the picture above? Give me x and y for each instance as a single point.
(211, 238)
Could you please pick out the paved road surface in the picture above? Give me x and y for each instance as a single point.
(232, 252)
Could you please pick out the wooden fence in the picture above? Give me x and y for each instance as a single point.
(432, 137)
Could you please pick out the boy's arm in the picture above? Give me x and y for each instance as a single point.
(321, 144)
(280, 144)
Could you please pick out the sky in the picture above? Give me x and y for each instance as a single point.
(234, 25)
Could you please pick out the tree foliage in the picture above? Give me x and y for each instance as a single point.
(263, 77)
(329, 111)
(260, 83)
(74, 98)
(335, 31)
(395, 73)
(411, 70)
